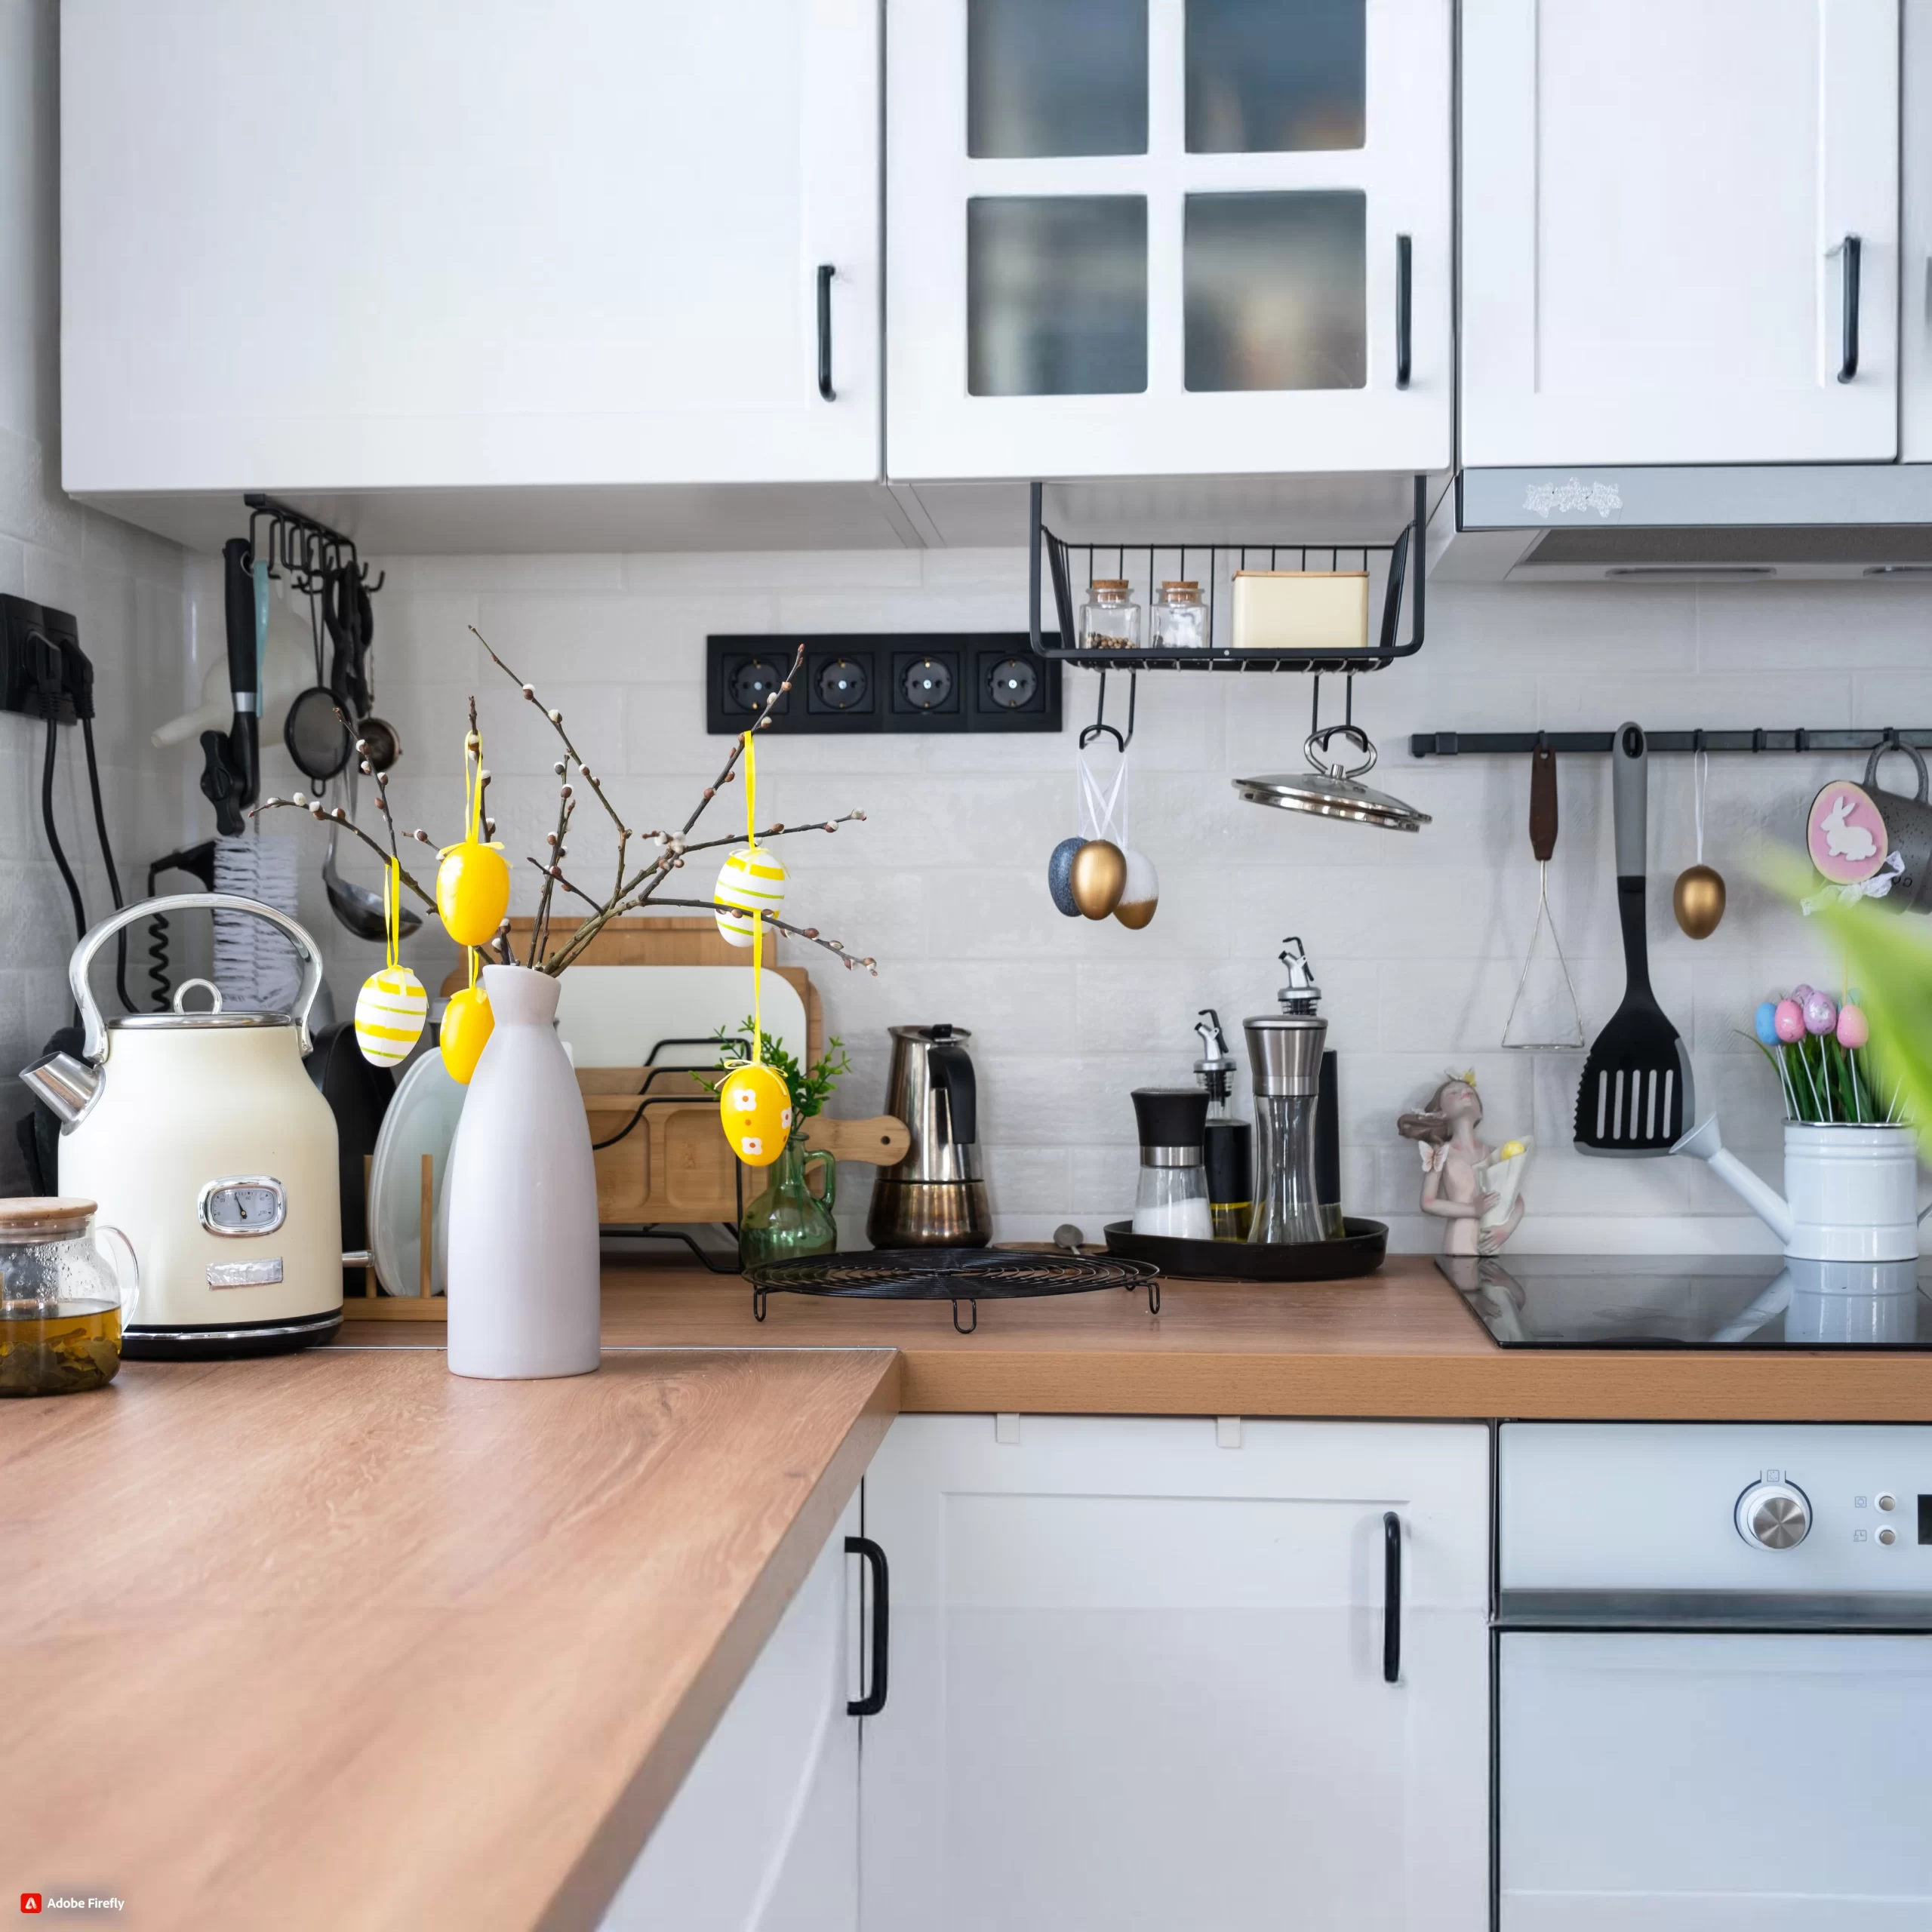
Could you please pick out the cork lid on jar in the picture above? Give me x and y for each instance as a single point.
(44, 1217)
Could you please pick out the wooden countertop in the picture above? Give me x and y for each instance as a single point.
(1398, 1343)
(341, 1640)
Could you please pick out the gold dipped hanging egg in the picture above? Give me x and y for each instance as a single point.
(1140, 894)
(1698, 900)
(1099, 877)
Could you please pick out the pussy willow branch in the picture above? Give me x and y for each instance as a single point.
(337, 815)
(367, 765)
(811, 932)
(556, 871)
(540, 931)
(625, 897)
(556, 719)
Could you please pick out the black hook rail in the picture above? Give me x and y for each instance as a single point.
(1209, 561)
(302, 547)
(1506, 744)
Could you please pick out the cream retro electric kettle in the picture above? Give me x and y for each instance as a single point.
(202, 1139)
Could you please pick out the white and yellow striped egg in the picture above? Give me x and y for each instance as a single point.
(390, 1012)
(751, 879)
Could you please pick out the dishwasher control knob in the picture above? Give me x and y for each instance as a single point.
(1775, 1515)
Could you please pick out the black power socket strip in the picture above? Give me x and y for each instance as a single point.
(32, 639)
(937, 682)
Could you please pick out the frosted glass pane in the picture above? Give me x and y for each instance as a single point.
(1050, 77)
(1274, 294)
(1056, 294)
(1272, 75)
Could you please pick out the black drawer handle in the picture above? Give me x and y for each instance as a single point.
(873, 1701)
(1391, 1597)
(1404, 249)
(1853, 251)
(825, 388)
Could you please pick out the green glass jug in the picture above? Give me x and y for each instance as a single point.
(787, 1220)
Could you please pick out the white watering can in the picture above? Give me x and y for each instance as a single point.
(1852, 1191)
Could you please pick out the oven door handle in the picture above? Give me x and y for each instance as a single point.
(1391, 1597)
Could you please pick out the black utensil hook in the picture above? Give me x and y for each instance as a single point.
(1100, 727)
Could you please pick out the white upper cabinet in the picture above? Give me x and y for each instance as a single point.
(388, 244)
(1167, 237)
(1680, 231)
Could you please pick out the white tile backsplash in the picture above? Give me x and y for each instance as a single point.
(1416, 940)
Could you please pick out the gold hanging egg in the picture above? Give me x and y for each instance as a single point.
(1698, 900)
(467, 1023)
(1099, 877)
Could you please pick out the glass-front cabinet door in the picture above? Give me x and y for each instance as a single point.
(1167, 237)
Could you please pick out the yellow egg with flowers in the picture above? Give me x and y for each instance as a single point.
(472, 891)
(467, 1023)
(755, 1107)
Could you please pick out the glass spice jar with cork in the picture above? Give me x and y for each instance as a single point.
(1110, 619)
(1179, 618)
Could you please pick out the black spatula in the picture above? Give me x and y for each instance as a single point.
(1636, 1095)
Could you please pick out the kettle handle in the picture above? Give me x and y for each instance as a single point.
(93, 1043)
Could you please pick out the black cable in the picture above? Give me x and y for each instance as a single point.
(47, 818)
(107, 857)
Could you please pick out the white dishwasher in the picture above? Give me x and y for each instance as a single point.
(1714, 1679)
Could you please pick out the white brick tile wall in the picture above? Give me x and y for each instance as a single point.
(1416, 940)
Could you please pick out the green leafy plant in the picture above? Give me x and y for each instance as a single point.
(811, 1086)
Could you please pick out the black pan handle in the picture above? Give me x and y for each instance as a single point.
(1404, 250)
(825, 388)
(1391, 1597)
(873, 1701)
(1848, 363)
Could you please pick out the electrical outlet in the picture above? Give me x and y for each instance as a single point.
(30, 637)
(986, 680)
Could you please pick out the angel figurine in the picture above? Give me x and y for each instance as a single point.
(1464, 1183)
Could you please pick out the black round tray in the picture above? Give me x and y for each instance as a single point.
(1360, 1251)
(968, 1275)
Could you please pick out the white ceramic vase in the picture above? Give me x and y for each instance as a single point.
(522, 1191)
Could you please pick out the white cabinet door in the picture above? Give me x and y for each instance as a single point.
(1165, 237)
(392, 244)
(1137, 1677)
(1655, 202)
(763, 1835)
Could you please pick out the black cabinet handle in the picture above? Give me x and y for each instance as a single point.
(825, 274)
(1848, 365)
(1404, 251)
(1391, 1597)
(873, 1701)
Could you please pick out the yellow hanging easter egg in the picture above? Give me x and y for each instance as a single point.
(472, 892)
(755, 1106)
(467, 1023)
(751, 879)
(390, 1011)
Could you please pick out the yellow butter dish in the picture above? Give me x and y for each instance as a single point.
(1301, 610)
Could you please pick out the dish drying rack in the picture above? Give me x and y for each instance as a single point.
(1212, 565)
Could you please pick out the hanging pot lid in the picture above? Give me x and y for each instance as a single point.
(1330, 788)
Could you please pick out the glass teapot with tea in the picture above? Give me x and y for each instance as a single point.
(67, 1286)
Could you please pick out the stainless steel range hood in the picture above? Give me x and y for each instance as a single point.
(1716, 525)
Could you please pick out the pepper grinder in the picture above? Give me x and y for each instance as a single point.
(1284, 1066)
(1226, 1143)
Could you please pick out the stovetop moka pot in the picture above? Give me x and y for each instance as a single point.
(935, 1197)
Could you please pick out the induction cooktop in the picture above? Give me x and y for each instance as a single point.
(1701, 1301)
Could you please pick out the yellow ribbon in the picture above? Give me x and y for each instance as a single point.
(393, 913)
(758, 911)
